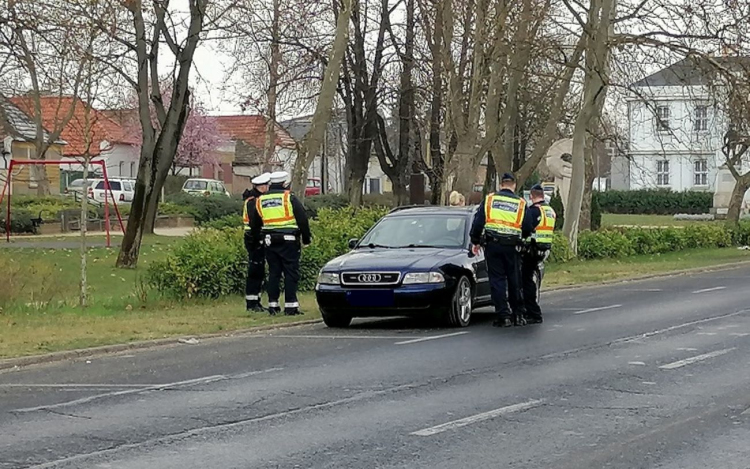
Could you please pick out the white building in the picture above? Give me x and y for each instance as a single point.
(676, 127)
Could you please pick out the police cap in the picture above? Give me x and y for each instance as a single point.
(279, 177)
(261, 180)
(537, 187)
(507, 177)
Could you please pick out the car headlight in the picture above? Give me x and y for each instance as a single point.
(423, 277)
(329, 278)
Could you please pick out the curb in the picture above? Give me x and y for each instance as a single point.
(12, 363)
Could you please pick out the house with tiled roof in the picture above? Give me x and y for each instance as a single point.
(101, 138)
(240, 156)
(18, 136)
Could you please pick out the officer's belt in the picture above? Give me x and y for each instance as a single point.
(502, 239)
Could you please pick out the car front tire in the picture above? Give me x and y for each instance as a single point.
(459, 314)
(336, 320)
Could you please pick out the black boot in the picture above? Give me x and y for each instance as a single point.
(253, 306)
(292, 312)
(534, 319)
(274, 310)
(519, 320)
(504, 322)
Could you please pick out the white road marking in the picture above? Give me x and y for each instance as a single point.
(78, 386)
(706, 333)
(432, 337)
(645, 290)
(637, 363)
(739, 334)
(695, 359)
(746, 412)
(601, 308)
(687, 349)
(157, 387)
(478, 418)
(706, 290)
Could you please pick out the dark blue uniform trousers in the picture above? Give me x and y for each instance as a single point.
(503, 265)
(256, 270)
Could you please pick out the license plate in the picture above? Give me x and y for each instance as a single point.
(370, 298)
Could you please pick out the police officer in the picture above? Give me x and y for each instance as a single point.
(280, 220)
(498, 224)
(256, 261)
(538, 228)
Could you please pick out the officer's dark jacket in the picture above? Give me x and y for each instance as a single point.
(256, 222)
(531, 219)
(477, 226)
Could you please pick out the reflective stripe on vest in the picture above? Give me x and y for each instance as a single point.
(544, 233)
(504, 214)
(245, 214)
(276, 211)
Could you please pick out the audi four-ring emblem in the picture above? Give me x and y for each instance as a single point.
(369, 278)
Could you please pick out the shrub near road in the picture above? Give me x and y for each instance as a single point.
(212, 263)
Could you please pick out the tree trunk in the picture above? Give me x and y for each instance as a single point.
(585, 219)
(83, 298)
(273, 77)
(595, 89)
(437, 159)
(735, 201)
(314, 139)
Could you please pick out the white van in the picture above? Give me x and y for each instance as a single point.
(122, 189)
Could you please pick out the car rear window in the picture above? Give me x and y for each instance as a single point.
(114, 185)
(196, 185)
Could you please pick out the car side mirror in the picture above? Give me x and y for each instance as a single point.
(353, 243)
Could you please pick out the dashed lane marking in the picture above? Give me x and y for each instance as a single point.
(696, 359)
(706, 290)
(479, 418)
(601, 308)
(158, 387)
(434, 337)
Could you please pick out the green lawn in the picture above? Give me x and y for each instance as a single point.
(613, 219)
(39, 312)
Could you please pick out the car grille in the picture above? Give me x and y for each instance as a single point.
(370, 278)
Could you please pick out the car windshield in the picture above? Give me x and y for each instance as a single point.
(196, 185)
(444, 231)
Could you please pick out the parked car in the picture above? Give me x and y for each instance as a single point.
(313, 187)
(415, 261)
(205, 187)
(123, 190)
(77, 186)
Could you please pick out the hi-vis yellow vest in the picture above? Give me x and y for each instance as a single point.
(245, 214)
(276, 211)
(544, 231)
(504, 214)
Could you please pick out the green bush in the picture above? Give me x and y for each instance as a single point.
(655, 202)
(205, 209)
(561, 251)
(557, 205)
(207, 263)
(602, 244)
(330, 201)
(212, 263)
(20, 221)
(227, 221)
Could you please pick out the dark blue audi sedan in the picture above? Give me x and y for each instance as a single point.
(416, 261)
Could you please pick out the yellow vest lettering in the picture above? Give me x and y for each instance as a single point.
(545, 231)
(276, 211)
(504, 214)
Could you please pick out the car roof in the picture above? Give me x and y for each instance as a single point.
(411, 210)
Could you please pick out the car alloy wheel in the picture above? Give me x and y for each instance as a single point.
(460, 312)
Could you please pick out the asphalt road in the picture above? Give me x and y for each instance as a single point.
(652, 374)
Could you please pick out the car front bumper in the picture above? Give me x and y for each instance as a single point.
(405, 300)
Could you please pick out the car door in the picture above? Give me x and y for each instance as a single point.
(480, 271)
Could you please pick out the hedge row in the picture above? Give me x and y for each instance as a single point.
(613, 243)
(654, 202)
(212, 263)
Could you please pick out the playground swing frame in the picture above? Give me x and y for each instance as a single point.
(8, 189)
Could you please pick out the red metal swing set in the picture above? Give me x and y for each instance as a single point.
(107, 193)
